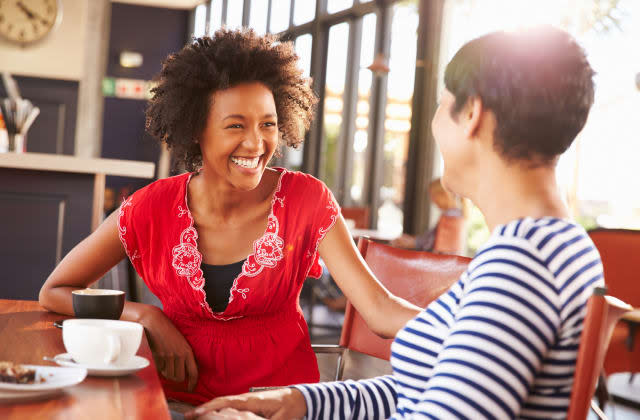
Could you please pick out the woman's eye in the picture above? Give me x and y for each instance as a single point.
(235, 126)
(270, 124)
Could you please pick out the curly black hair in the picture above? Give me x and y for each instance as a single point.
(178, 110)
(537, 82)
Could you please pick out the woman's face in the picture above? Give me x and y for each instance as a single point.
(241, 134)
(449, 133)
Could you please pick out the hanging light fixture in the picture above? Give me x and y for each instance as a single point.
(379, 66)
(638, 81)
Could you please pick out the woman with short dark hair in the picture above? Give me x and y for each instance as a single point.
(502, 342)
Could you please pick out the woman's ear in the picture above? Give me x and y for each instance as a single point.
(472, 115)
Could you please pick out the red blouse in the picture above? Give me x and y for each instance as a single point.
(261, 339)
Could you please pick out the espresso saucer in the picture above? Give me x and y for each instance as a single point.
(136, 364)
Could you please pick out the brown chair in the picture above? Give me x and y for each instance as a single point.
(360, 215)
(603, 312)
(417, 276)
(619, 250)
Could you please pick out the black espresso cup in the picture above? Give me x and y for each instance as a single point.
(98, 303)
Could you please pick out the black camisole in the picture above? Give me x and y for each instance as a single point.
(218, 283)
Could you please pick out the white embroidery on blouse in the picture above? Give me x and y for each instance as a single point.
(267, 251)
(323, 230)
(122, 230)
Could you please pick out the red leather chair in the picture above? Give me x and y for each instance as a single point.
(620, 253)
(360, 215)
(603, 312)
(417, 276)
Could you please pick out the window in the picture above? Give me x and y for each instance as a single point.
(280, 10)
(200, 21)
(361, 136)
(234, 14)
(333, 103)
(293, 157)
(215, 18)
(334, 6)
(397, 124)
(304, 11)
(258, 16)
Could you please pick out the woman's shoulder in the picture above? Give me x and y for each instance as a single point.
(162, 188)
(550, 248)
(542, 233)
(301, 182)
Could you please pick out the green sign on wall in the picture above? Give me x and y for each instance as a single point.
(109, 86)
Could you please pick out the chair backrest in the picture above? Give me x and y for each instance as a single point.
(417, 276)
(360, 215)
(619, 249)
(602, 314)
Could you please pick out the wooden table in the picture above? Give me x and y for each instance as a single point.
(27, 334)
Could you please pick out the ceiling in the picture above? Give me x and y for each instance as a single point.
(168, 4)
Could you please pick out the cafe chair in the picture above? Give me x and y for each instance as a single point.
(417, 276)
(619, 250)
(603, 312)
(359, 215)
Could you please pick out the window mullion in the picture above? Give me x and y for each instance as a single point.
(349, 111)
(377, 116)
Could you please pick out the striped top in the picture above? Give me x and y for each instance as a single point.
(501, 343)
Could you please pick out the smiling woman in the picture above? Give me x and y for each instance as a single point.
(227, 246)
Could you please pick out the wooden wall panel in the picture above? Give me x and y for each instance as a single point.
(43, 215)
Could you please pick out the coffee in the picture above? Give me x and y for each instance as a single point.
(98, 303)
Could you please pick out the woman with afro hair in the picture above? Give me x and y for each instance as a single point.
(227, 246)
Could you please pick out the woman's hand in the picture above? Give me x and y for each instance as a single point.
(277, 404)
(230, 414)
(171, 351)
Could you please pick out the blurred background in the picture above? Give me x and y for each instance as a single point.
(377, 67)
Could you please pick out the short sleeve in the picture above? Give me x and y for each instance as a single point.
(126, 227)
(325, 213)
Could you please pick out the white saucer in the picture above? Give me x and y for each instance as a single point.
(134, 365)
(49, 380)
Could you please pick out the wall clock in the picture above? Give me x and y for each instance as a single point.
(28, 21)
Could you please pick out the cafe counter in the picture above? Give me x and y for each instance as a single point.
(49, 203)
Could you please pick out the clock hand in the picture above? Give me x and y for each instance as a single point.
(30, 14)
(26, 11)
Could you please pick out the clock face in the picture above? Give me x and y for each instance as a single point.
(27, 21)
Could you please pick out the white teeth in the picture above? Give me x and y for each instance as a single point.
(246, 163)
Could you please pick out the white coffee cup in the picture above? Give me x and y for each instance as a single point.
(101, 342)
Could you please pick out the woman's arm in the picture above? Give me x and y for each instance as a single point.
(383, 312)
(90, 260)
(82, 266)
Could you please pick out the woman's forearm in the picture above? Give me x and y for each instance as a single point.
(59, 299)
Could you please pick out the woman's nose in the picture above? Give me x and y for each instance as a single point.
(254, 141)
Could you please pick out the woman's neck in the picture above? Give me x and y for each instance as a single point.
(507, 192)
(223, 200)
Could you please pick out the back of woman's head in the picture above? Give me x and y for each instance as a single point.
(537, 82)
(178, 110)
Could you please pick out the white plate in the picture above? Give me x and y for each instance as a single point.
(134, 365)
(48, 378)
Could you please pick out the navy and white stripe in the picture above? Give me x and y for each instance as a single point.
(501, 343)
